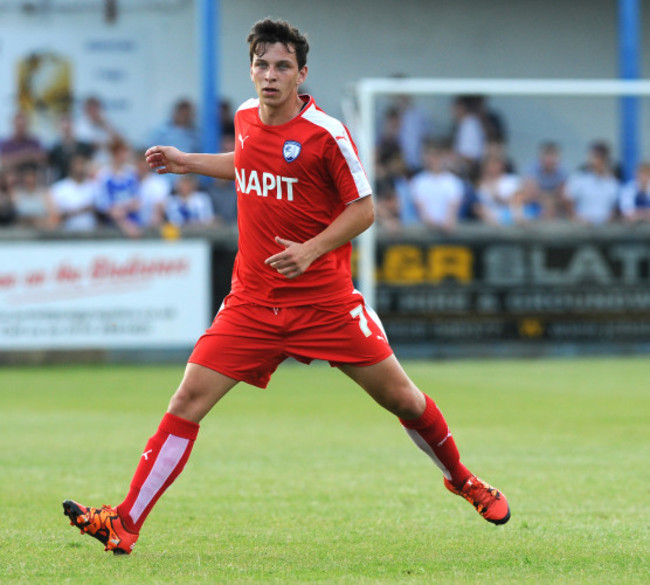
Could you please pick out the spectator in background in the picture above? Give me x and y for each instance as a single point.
(21, 148)
(437, 193)
(34, 206)
(470, 206)
(223, 194)
(387, 148)
(499, 148)
(66, 146)
(493, 123)
(468, 135)
(152, 192)
(497, 191)
(223, 199)
(415, 126)
(188, 206)
(73, 198)
(545, 181)
(7, 203)
(635, 196)
(180, 131)
(529, 204)
(117, 191)
(592, 193)
(227, 118)
(94, 128)
(396, 184)
(387, 200)
(389, 136)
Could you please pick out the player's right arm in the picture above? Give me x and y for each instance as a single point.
(167, 159)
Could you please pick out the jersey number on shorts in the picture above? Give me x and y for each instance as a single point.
(363, 322)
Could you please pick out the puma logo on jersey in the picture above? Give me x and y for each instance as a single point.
(265, 184)
(242, 140)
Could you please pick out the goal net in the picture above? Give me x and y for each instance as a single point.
(569, 112)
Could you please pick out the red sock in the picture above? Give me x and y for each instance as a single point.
(162, 461)
(431, 434)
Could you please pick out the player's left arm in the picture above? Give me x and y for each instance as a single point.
(297, 257)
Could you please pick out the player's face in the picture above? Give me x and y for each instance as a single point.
(276, 77)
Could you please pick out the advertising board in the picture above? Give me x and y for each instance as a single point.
(103, 294)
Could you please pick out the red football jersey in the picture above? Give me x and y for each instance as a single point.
(292, 181)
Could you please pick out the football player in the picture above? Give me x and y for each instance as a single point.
(302, 196)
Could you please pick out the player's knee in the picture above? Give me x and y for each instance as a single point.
(406, 404)
(200, 389)
(179, 403)
(185, 400)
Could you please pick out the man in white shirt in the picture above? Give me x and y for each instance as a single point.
(592, 193)
(437, 193)
(74, 198)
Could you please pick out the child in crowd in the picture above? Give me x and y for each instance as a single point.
(188, 205)
(117, 190)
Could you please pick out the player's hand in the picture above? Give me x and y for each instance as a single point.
(292, 261)
(166, 159)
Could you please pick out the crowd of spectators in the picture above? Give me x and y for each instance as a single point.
(92, 178)
(467, 176)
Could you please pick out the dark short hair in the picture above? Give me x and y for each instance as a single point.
(549, 146)
(183, 103)
(472, 103)
(117, 144)
(268, 31)
(600, 148)
(436, 145)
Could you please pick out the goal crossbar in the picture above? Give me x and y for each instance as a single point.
(577, 87)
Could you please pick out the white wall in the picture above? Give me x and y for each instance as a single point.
(351, 39)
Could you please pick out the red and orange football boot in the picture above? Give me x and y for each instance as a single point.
(488, 501)
(104, 524)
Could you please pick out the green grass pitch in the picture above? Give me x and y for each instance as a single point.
(310, 482)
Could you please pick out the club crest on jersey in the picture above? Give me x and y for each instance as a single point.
(291, 150)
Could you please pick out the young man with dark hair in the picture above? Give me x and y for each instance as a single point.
(302, 196)
(592, 193)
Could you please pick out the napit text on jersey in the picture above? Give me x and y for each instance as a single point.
(265, 184)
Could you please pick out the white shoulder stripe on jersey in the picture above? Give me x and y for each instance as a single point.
(336, 129)
(249, 103)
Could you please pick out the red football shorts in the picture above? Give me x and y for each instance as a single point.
(247, 341)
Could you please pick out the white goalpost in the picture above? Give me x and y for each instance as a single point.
(362, 118)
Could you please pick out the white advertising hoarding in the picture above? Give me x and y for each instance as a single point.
(95, 294)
